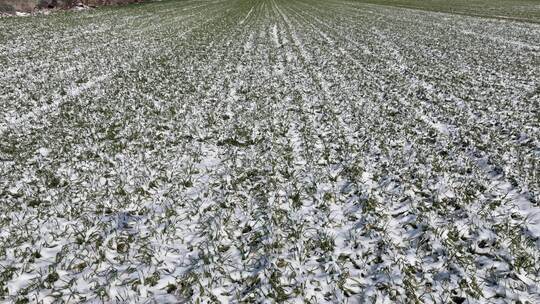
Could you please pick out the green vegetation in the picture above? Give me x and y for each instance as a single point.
(522, 10)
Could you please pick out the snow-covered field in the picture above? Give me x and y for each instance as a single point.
(269, 151)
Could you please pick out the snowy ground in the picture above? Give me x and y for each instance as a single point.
(318, 151)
